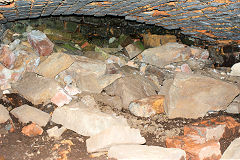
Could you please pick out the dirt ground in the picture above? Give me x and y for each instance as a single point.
(16, 146)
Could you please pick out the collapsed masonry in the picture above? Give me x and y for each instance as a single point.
(211, 20)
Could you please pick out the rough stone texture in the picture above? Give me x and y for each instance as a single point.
(88, 74)
(40, 43)
(115, 135)
(36, 89)
(143, 152)
(148, 106)
(54, 64)
(32, 130)
(61, 98)
(56, 132)
(152, 40)
(4, 114)
(7, 57)
(232, 151)
(131, 88)
(235, 70)
(132, 50)
(192, 96)
(208, 20)
(201, 139)
(26, 113)
(166, 54)
(85, 120)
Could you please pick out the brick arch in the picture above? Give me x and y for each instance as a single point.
(211, 20)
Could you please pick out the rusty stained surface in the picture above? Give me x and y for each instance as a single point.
(211, 20)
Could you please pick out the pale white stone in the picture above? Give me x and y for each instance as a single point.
(4, 114)
(56, 132)
(89, 101)
(26, 113)
(235, 69)
(143, 152)
(84, 120)
(232, 152)
(114, 136)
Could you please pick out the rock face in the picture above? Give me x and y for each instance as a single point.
(143, 152)
(4, 114)
(166, 54)
(232, 151)
(192, 96)
(87, 121)
(36, 89)
(54, 64)
(130, 88)
(40, 43)
(147, 106)
(26, 113)
(115, 135)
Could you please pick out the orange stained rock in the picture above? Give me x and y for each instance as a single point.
(32, 130)
(158, 13)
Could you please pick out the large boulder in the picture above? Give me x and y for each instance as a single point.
(115, 135)
(54, 64)
(26, 113)
(84, 120)
(36, 89)
(192, 96)
(166, 54)
(130, 88)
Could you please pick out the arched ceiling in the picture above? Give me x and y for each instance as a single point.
(211, 20)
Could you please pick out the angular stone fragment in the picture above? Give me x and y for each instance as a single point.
(56, 132)
(115, 135)
(148, 106)
(130, 88)
(32, 130)
(166, 54)
(54, 64)
(196, 148)
(4, 114)
(143, 152)
(40, 43)
(132, 50)
(36, 89)
(7, 57)
(232, 151)
(192, 96)
(61, 98)
(87, 121)
(26, 113)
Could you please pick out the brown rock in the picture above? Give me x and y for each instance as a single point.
(54, 64)
(152, 40)
(148, 106)
(36, 89)
(166, 54)
(130, 88)
(192, 96)
(32, 130)
(40, 43)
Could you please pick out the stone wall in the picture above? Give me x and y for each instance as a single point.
(211, 20)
